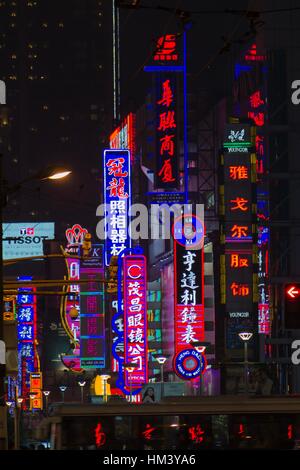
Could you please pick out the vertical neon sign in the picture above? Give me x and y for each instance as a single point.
(135, 318)
(117, 199)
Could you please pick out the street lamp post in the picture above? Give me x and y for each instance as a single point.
(49, 173)
(161, 360)
(200, 348)
(245, 336)
(63, 388)
(81, 385)
(105, 378)
(130, 368)
(46, 395)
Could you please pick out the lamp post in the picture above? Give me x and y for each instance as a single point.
(130, 368)
(63, 388)
(49, 173)
(200, 348)
(245, 336)
(161, 360)
(105, 378)
(46, 394)
(81, 385)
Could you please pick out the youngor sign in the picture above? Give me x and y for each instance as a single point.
(23, 240)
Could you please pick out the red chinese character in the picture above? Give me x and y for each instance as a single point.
(239, 231)
(167, 145)
(166, 172)
(259, 118)
(148, 432)
(255, 100)
(240, 204)
(116, 188)
(167, 96)
(236, 261)
(167, 121)
(240, 290)
(196, 433)
(238, 172)
(115, 166)
(100, 437)
(166, 44)
(259, 147)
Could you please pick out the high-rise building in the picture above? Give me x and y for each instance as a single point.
(57, 69)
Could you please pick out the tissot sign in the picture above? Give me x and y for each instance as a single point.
(22, 240)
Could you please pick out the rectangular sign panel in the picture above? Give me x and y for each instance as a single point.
(92, 319)
(189, 296)
(135, 318)
(23, 240)
(117, 197)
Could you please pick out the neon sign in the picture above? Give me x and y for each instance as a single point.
(166, 174)
(135, 318)
(92, 321)
(117, 197)
(124, 136)
(26, 335)
(166, 48)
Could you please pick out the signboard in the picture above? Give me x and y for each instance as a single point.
(36, 387)
(92, 317)
(9, 309)
(117, 199)
(23, 240)
(26, 336)
(124, 136)
(189, 363)
(135, 318)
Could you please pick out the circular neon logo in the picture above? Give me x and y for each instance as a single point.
(188, 230)
(189, 364)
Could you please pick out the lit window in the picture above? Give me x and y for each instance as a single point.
(45, 107)
(12, 25)
(13, 56)
(45, 25)
(13, 13)
(12, 77)
(61, 25)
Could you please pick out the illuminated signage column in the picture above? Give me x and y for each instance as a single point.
(26, 334)
(92, 317)
(238, 211)
(135, 318)
(117, 199)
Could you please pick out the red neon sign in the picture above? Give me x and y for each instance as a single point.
(166, 48)
(293, 292)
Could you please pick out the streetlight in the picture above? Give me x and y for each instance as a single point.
(46, 395)
(105, 378)
(81, 385)
(52, 173)
(245, 336)
(130, 368)
(200, 348)
(161, 360)
(63, 388)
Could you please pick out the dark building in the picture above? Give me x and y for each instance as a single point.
(56, 63)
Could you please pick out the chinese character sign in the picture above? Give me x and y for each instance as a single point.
(92, 318)
(166, 176)
(135, 318)
(189, 296)
(117, 196)
(26, 335)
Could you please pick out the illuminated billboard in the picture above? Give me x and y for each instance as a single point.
(117, 198)
(23, 240)
(124, 136)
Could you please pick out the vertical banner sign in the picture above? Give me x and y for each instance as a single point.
(26, 335)
(239, 230)
(189, 363)
(251, 101)
(124, 136)
(117, 199)
(71, 303)
(92, 319)
(167, 149)
(135, 318)
(36, 387)
(168, 68)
